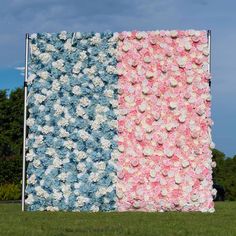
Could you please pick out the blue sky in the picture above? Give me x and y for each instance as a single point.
(20, 16)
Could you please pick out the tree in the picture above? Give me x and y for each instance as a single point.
(225, 173)
(11, 135)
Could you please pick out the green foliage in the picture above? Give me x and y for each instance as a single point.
(10, 191)
(225, 173)
(10, 170)
(11, 123)
(11, 138)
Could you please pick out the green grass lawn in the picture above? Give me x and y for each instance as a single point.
(14, 222)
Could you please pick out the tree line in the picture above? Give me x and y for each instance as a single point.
(11, 139)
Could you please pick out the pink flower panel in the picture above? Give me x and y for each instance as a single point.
(164, 122)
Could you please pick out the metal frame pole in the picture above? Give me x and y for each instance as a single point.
(25, 117)
(209, 56)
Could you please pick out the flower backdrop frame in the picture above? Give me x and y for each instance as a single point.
(115, 199)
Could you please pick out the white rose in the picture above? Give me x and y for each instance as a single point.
(105, 143)
(31, 78)
(95, 40)
(45, 57)
(63, 176)
(164, 192)
(30, 199)
(55, 85)
(173, 105)
(173, 82)
(81, 155)
(181, 61)
(78, 35)
(83, 56)
(51, 151)
(168, 152)
(57, 162)
(30, 122)
(52, 208)
(47, 129)
(50, 48)
(69, 144)
(77, 67)
(68, 45)
(148, 152)
(173, 33)
(31, 179)
(84, 135)
(34, 50)
(63, 35)
(84, 102)
(41, 192)
(30, 155)
(59, 64)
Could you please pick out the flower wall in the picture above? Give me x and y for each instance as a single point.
(119, 122)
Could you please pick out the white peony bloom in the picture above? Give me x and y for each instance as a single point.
(100, 165)
(80, 111)
(47, 129)
(45, 57)
(63, 133)
(94, 208)
(111, 69)
(81, 167)
(55, 85)
(98, 82)
(36, 163)
(39, 98)
(43, 75)
(96, 39)
(83, 56)
(57, 195)
(30, 122)
(84, 102)
(105, 143)
(81, 155)
(30, 155)
(77, 67)
(51, 151)
(76, 90)
(168, 152)
(38, 140)
(30, 199)
(41, 192)
(58, 109)
(78, 35)
(31, 179)
(95, 125)
(57, 162)
(31, 78)
(84, 135)
(34, 50)
(69, 144)
(63, 176)
(148, 151)
(52, 208)
(50, 48)
(94, 177)
(181, 61)
(63, 35)
(59, 64)
(63, 122)
(81, 200)
(108, 93)
(68, 45)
